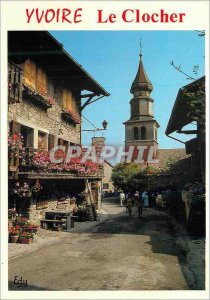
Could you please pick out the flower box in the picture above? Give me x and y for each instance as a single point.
(26, 240)
(26, 237)
(14, 238)
(32, 95)
(67, 117)
(70, 116)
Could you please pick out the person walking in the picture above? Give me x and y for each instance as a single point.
(136, 198)
(140, 204)
(145, 199)
(159, 199)
(122, 199)
(129, 206)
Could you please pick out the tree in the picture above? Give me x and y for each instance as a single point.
(132, 176)
(123, 173)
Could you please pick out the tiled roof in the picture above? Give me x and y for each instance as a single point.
(175, 155)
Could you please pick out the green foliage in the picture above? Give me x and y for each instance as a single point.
(124, 173)
(132, 176)
(197, 194)
(137, 177)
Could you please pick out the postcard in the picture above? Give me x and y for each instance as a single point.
(105, 149)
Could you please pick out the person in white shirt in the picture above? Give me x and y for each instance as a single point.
(122, 199)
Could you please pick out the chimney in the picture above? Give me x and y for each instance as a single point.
(98, 143)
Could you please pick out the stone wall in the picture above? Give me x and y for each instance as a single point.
(31, 115)
(37, 213)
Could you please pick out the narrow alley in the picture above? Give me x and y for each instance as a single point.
(119, 253)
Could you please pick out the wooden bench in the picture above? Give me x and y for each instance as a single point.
(57, 224)
(45, 224)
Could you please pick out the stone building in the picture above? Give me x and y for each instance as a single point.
(142, 128)
(47, 92)
(106, 183)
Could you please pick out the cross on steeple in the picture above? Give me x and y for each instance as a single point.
(140, 50)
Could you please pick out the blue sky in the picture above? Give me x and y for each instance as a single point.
(112, 58)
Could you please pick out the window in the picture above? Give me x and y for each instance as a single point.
(135, 133)
(66, 145)
(42, 141)
(143, 133)
(28, 136)
(105, 186)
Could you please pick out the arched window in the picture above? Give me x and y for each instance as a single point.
(143, 133)
(135, 133)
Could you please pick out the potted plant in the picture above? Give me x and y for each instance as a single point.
(26, 237)
(32, 228)
(23, 221)
(14, 234)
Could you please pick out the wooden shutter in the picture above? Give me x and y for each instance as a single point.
(51, 141)
(64, 98)
(15, 127)
(29, 73)
(41, 81)
(69, 101)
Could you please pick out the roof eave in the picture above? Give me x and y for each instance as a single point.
(99, 88)
(172, 123)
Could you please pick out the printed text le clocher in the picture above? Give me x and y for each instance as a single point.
(74, 16)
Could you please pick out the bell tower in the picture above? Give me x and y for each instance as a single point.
(141, 129)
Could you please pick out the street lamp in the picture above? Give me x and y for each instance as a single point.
(104, 125)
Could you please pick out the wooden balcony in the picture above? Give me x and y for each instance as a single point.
(57, 176)
(24, 168)
(15, 78)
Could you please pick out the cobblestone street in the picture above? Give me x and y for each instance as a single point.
(117, 252)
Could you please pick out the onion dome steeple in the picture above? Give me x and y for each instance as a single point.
(141, 81)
